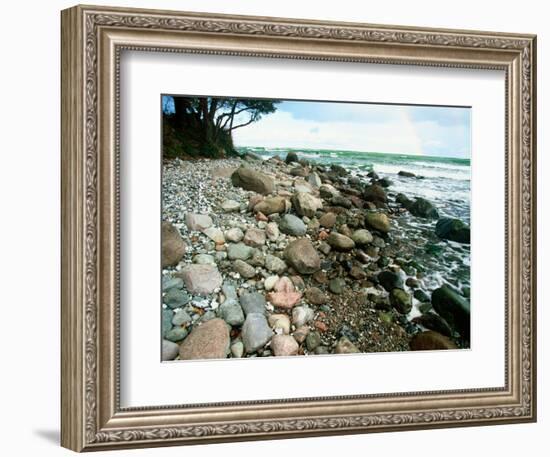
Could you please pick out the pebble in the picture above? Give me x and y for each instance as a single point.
(270, 281)
(256, 332)
(302, 315)
(237, 349)
(175, 298)
(253, 302)
(198, 222)
(215, 234)
(280, 323)
(284, 346)
(239, 251)
(204, 259)
(244, 269)
(169, 350)
(176, 334)
(181, 317)
(234, 235)
(230, 206)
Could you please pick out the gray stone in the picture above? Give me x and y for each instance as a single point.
(176, 334)
(167, 315)
(169, 350)
(201, 279)
(306, 204)
(314, 180)
(255, 332)
(244, 269)
(204, 259)
(275, 264)
(302, 315)
(237, 349)
(181, 317)
(336, 285)
(292, 225)
(169, 282)
(239, 251)
(231, 312)
(198, 222)
(313, 340)
(215, 234)
(230, 206)
(270, 281)
(234, 235)
(253, 302)
(175, 298)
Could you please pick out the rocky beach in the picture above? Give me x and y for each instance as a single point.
(286, 256)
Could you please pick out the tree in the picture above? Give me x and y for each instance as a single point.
(204, 125)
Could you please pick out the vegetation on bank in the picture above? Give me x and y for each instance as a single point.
(203, 126)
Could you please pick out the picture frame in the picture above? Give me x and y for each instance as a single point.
(93, 39)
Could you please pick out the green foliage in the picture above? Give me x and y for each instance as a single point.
(203, 126)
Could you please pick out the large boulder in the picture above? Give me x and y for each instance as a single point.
(406, 174)
(291, 157)
(401, 301)
(256, 332)
(306, 204)
(209, 340)
(434, 322)
(201, 279)
(375, 193)
(390, 280)
(378, 221)
(173, 246)
(340, 242)
(423, 208)
(430, 340)
(454, 308)
(271, 205)
(253, 180)
(453, 229)
(292, 225)
(302, 256)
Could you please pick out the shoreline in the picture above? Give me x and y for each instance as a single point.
(324, 270)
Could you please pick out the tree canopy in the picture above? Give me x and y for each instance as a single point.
(203, 125)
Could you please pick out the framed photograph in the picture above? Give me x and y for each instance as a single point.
(276, 228)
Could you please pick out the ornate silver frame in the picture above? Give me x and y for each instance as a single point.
(92, 40)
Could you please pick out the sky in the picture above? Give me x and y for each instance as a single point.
(418, 130)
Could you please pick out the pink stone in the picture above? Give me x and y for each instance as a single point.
(284, 345)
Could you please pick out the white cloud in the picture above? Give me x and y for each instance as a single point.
(281, 129)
